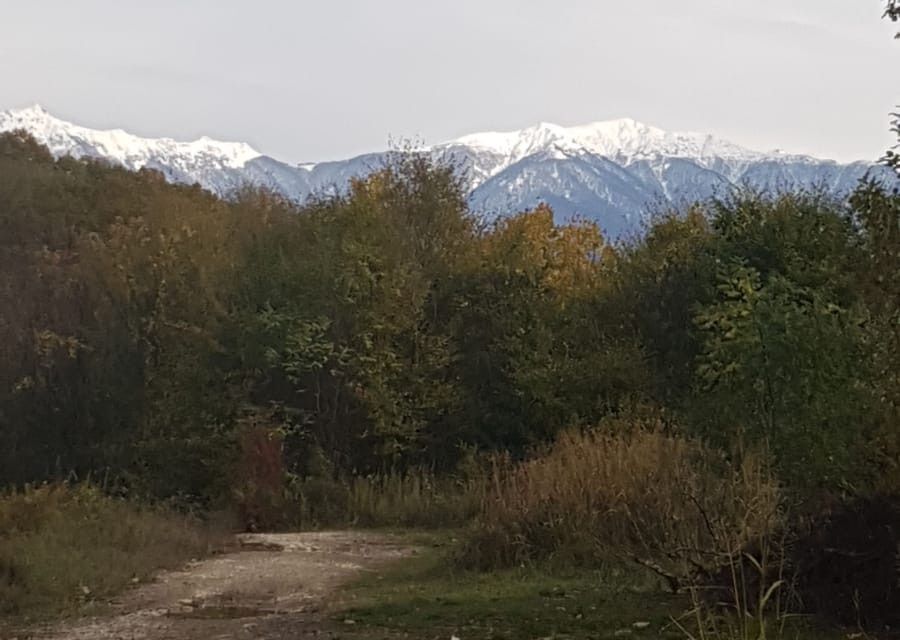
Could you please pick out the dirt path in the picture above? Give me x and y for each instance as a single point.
(273, 586)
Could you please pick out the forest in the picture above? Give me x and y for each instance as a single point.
(151, 331)
(728, 380)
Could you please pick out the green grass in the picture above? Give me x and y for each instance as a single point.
(426, 598)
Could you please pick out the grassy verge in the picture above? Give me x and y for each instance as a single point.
(429, 597)
(66, 550)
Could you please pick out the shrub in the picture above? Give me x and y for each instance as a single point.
(670, 503)
(259, 484)
(841, 566)
(62, 547)
(848, 567)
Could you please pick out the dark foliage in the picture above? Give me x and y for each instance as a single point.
(848, 569)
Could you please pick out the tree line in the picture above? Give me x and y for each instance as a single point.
(146, 326)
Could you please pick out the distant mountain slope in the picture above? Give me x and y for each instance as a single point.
(611, 172)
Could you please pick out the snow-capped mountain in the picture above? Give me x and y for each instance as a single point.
(619, 171)
(613, 172)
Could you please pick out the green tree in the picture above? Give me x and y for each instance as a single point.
(341, 312)
(781, 362)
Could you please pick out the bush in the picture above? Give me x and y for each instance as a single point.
(665, 501)
(841, 566)
(62, 547)
(259, 479)
(848, 568)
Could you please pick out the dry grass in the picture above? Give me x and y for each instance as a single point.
(63, 548)
(752, 600)
(661, 499)
(417, 499)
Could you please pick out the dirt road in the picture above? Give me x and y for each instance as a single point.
(272, 586)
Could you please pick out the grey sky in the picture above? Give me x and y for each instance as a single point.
(315, 80)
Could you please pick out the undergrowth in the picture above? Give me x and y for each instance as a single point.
(65, 549)
(643, 495)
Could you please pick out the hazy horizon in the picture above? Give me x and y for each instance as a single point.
(338, 79)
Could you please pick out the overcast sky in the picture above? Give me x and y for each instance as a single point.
(326, 79)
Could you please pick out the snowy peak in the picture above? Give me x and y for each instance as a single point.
(625, 141)
(516, 145)
(622, 139)
(612, 171)
(116, 145)
(634, 140)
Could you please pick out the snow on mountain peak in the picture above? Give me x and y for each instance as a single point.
(35, 111)
(134, 152)
(610, 171)
(517, 144)
(622, 139)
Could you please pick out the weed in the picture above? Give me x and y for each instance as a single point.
(63, 548)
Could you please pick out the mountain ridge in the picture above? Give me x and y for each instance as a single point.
(608, 171)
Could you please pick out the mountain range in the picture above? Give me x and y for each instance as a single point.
(614, 172)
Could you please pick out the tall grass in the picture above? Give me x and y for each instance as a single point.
(646, 495)
(417, 498)
(751, 598)
(63, 547)
(267, 497)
